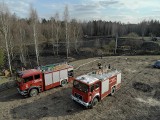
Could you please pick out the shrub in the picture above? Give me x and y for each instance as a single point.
(87, 51)
(132, 35)
(110, 47)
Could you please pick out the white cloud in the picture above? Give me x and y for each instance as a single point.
(136, 4)
(111, 10)
(19, 7)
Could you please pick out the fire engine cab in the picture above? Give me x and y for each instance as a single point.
(90, 88)
(33, 81)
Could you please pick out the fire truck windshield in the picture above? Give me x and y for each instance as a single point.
(27, 79)
(80, 86)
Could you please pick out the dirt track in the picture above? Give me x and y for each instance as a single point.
(138, 98)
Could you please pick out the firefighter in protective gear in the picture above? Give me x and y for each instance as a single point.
(109, 66)
(99, 65)
(100, 71)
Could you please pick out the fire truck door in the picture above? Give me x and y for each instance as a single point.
(95, 89)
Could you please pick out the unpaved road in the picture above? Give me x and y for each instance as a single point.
(138, 98)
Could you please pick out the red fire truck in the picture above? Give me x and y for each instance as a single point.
(89, 89)
(33, 81)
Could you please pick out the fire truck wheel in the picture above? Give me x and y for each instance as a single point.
(33, 92)
(94, 102)
(113, 91)
(63, 83)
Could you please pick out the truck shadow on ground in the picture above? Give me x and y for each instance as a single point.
(10, 95)
(54, 105)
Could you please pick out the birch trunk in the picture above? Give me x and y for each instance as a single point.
(22, 48)
(5, 26)
(36, 44)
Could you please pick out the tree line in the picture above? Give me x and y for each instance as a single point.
(16, 34)
(108, 28)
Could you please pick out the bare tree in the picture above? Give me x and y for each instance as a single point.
(75, 32)
(143, 28)
(115, 33)
(22, 43)
(13, 36)
(5, 30)
(34, 23)
(66, 20)
(56, 26)
(77, 35)
(116, 44)
(114, 29)
(53, 40)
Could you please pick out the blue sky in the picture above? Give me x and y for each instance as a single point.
(132, 11)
